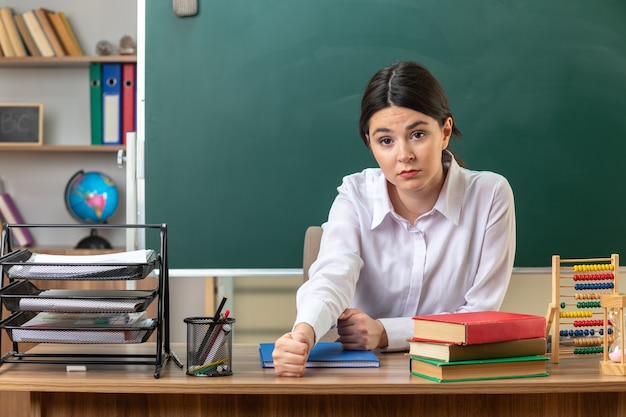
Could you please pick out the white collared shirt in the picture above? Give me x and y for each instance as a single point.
(456, 257)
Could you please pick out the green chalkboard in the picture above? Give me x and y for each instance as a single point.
(252, 109)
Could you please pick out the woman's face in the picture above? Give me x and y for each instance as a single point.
(407, 146)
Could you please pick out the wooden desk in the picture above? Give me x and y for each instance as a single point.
(574, 388)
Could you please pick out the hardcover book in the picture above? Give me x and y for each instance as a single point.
(478, 327)
(66, 38)
(11, 215)
(48, 30)
(6, 14)
(503, 368)
(450, 352)
(37, 33)
(5, 41)
(327, 355)
(31, 46)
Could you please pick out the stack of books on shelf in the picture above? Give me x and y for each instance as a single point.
(478, 345)
(40, 33)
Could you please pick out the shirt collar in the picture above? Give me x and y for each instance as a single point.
(450, 198)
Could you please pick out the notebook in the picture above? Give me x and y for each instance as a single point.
(327, 355)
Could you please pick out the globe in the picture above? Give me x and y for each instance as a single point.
(91, 197)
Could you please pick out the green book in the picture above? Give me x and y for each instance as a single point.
(501, 368)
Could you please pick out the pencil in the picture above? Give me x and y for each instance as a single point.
(204, 346)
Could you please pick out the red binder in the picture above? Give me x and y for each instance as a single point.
(128, 99)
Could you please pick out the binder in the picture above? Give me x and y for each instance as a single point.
(95, 97)
(111, 104)
(128, 99)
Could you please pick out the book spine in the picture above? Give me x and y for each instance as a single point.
(46, 25)
(37, 33)
(5, 42)
(477, 333)
(31, 46)
(11, 215)
(61, 31)
(76, 45)
(12, 32)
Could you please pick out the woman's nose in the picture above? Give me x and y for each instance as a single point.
(405, 153)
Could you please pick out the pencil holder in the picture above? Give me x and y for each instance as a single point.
(209, 346)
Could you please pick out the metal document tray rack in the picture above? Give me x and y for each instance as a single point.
(84, 316)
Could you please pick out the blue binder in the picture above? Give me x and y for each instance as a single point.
(111, 104)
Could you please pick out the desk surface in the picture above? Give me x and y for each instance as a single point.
(393, 378)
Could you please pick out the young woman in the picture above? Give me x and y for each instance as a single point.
(418, 235)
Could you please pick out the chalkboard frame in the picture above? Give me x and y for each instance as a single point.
(32, 136)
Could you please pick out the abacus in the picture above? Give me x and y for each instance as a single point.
(578, 327)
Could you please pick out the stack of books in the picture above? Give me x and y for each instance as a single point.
(478, 345)
(40, 32)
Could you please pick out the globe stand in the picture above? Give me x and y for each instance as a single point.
(93, 241)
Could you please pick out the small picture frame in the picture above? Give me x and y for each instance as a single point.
(21, 124)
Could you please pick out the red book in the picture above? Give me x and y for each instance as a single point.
(478, 327)
(128, 99)
(11, 215)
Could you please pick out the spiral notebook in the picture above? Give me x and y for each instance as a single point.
(327, 355)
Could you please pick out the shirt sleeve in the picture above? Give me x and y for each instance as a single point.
(333, 276)
(397, 328)
(496, 262)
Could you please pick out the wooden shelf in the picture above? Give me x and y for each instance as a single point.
(66, 61)
(62, 148)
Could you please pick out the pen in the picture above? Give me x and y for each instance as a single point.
(204, 346)
(219, 309)
(218, 340)
(217, 337)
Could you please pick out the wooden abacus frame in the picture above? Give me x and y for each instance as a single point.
(566, 270)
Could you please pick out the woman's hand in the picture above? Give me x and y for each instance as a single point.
(291, 351)
(358, 331)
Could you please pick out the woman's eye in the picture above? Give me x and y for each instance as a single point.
(384, 141)
(418, 134)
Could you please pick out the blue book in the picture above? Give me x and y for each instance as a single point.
(327, 355)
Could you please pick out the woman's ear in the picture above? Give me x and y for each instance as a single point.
(447, 132)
